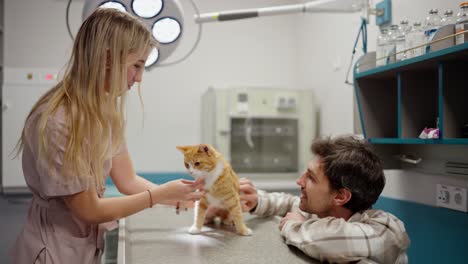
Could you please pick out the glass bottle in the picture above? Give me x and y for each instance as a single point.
(448, 18)
(415, 38)
(462, 24)
(382, 40)
(392, 41)
(403, 31)
(431, 24)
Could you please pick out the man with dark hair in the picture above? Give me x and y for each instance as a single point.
(333, 219)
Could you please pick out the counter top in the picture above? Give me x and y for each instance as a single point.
(159, 235)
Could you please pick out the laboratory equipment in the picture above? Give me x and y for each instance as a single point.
(415, 41)
(431, 24)
(462, 24)
(448, 18)
(400, 44)
(382, 44)
(391, 44)
(265, 133)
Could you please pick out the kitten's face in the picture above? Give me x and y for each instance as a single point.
(199, 160)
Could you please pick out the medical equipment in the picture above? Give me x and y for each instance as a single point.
(432, 24)
(165, 18)
(334, 6)
(382, 47)
(403, 31)
(264, 132)
(462, 24)
(414, 39)
(363, 33)
(448, 18)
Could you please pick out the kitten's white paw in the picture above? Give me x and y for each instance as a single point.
(194, 230)
(247, 232)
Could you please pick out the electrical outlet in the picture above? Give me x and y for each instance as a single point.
(442, 195)
(451, 197)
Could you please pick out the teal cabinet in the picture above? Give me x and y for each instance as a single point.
(397, 101)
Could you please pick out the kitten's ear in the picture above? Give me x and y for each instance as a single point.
(204, 148)
(182, 149)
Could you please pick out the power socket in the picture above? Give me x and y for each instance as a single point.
(451, 197)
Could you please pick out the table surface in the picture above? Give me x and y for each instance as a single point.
(159, 235)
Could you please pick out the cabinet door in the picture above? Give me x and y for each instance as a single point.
(17, 102)
(264, 145)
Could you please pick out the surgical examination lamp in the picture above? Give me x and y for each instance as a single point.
(318, 6)
(166, 20)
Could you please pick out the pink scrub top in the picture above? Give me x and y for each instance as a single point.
(52, 234)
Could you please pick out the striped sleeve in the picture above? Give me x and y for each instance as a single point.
(328, 239)
(375, 237)
(275, 203)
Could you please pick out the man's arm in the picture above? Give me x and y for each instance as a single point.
(326, 239)
(261, 203)
(331, 239)
(275, 203)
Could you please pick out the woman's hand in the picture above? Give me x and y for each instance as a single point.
(248, 194)
(179, 190)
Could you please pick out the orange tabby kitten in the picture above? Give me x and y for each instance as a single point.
(221, 185)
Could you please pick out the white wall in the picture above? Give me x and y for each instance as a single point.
(35, 33)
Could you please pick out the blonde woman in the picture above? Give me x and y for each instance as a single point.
(74, 137)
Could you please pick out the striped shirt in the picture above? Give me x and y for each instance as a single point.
(371, 236)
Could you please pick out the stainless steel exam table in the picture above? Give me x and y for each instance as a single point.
(159, 235)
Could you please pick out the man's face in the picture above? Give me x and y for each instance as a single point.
(316, 195)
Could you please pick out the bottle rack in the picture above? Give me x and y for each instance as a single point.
(397, 101)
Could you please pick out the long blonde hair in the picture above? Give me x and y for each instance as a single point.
(92, 93)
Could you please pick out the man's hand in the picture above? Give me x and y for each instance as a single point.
(291, 216)
(248, 194)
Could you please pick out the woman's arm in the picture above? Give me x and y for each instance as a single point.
(128, 182)
(90, 208)
(125, 178)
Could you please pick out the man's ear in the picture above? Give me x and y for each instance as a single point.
(342, 196)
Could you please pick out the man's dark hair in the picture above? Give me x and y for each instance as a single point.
(350, 163)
